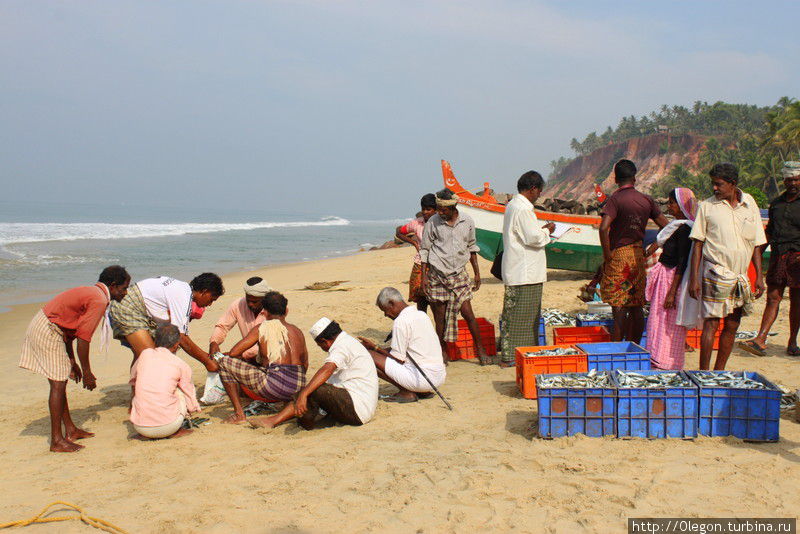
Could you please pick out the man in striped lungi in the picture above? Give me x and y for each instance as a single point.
(48, 348)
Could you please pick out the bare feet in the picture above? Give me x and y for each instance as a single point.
(485, 359)
(263, 422)
(78, 433)
(236, 419)
(503, 364)
(64, 446)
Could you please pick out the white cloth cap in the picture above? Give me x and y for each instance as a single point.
(319, 326)
(257, 290)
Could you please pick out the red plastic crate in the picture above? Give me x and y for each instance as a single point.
(464, 348)
(530, 366)
(569, 335)
(693, 336)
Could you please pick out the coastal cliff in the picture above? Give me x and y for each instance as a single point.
(655, 155)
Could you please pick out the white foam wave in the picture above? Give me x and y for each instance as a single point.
(37, 232)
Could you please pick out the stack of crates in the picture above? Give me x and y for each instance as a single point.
(464, 348)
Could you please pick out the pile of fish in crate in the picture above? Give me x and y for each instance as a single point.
(586, 384)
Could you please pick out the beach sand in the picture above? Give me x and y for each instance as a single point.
(414, 468)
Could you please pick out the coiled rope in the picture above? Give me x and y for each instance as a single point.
(89, 520)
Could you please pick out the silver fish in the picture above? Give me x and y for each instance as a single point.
(592, 379)
(727, 379)
(630, 379)
(556, 317)
(595, 317)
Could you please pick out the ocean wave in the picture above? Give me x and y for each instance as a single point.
(11, 233)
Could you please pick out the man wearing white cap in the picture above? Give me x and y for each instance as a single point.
(245, 312)
(413, 336)
(346, 386)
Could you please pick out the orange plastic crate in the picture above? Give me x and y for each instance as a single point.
(464, 348)
(569, 335)
(530, 366)
(694, 335)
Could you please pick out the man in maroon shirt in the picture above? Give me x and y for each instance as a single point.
(625, 217)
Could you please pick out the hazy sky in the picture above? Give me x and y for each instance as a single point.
(336, 107)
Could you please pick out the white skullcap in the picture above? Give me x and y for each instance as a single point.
(318, 327)
(257, 290)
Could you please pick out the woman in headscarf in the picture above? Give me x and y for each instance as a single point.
(665, 337)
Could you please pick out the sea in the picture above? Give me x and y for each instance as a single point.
(46, 248)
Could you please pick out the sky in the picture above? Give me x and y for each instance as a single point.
(347, 107)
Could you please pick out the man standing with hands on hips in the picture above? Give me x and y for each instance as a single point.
(524, 268)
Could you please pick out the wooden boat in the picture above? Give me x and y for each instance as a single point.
(578, 250)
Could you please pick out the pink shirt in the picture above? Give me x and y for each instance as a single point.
(416, 226)
(238, 314)
(79, 309)
(159, 377)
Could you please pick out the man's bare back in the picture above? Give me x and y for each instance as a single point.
(296, 351)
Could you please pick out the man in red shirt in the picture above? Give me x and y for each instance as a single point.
(411, 232)
(625, 217)
(48, 348)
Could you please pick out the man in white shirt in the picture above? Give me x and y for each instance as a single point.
(155, 301)
(413, 336)
(524, 268)
(346, 386)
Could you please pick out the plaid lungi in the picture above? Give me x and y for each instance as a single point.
(454, 290)
(624, 277)
(44, 351)
(522, 307)
(278, 381)
(724, 291)
(130, 315)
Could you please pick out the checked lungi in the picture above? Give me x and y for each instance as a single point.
(519, 322)
(44, 351)
(624, 278)
(130, 315)
(724, 291)
(454, 290)
(276, 382)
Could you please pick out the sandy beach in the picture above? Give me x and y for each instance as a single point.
(414, 468)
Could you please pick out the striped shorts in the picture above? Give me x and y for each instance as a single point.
(44, 351)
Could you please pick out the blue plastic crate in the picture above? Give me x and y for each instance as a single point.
(570, 411)
(752, 414)
(608, 323)
(612, 355)
(543, 331)
(657, 412)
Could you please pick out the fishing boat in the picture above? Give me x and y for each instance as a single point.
(577, 250)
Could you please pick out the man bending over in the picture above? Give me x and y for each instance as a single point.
(413, 336)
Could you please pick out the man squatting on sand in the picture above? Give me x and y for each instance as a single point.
(245, 312)
(278, 370)
(524, 268)
(48, 347)
(448, 243)
(622, 227)
(727, 234)
(346, 386)
(413, 336)
(783, 234)
(411, 232)
(155, 301)
(164, 394)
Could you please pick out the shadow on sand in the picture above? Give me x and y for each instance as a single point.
(113, 397)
